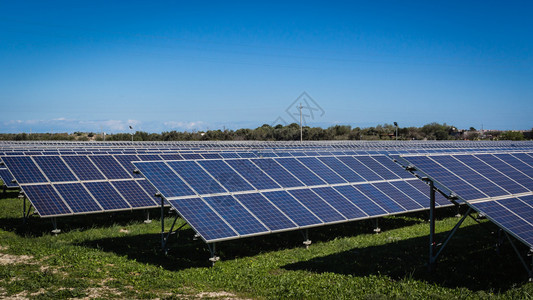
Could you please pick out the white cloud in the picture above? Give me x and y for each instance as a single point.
(184, 125)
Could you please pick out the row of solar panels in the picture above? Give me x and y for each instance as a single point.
(233, 198)
(498, 185)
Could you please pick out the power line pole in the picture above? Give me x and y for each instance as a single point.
(301, 128)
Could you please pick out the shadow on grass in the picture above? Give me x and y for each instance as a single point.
(470, 260)
(36, 226)
(184, 252)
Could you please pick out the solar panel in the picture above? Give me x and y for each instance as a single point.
(380, 198)
(298, 213)
(253, 174)
(300, 171)
(360, 168)
(54, 168)
(106, 195)
(266, 212)
(167, 182)
(7, 178)
(77, 198)
(277, 172)
(318, 206)
(224, 174)
(340, 203)
(134, 194)
(24, 169)
(196, 177)
(360, 200)
(110, 167)
(322, 170)
(83, 168)
(340, 168)
(46, 200)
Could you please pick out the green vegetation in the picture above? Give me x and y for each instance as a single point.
(291, 132)
(118, 256)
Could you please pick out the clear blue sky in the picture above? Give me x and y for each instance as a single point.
(190, 65)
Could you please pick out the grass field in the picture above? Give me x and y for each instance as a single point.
(119, 256)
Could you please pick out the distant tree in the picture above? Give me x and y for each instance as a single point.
(512, 136)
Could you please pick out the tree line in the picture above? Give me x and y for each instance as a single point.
(291, 132)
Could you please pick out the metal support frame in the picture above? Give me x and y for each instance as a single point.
(435, 252)
(212, 249)
(147, 221)
(54, 224)
(307, 242)
(25, 212)
(4, 190)
(529, 269)
(377, 229)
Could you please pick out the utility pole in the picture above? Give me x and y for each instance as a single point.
(396, 125)
(301, 128)
(131, 129)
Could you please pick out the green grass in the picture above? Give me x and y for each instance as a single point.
(118, 256)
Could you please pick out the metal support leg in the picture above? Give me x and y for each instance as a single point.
(24, 210)
(529, 269)
(54, 223)
(377, 229)
(212, 250)
(147, 221)
(431, 264)
(307, 241)
(163, 225)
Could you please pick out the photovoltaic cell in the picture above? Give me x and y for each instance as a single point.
(110, 167)
(265, 211)
(507, 169)
(515, 162)
(54, 168)
(126, 161)
(77, 197)
(253, 174)
(171, 157)
(83, 168)
(314, 203)
(321, 170)
(340, 168)
(236, 215)
(394, 167)
(396, 194)
(46, 200)
(134, 194)
(203, 219)
(196, 177)
(415, 194)
(300, 171)
(292, 208)
(360, 200)
(341, 204)
(276, 172)
(376, 167)
(360, 168)
(166, 181)
(224, 174)
(106, 195)
(380, 198)
(24, 169)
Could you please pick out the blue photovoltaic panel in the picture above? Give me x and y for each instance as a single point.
(292, 208)
(506, 169)
(110, 167)
(321, 170)
(77, 197)
(300, 171)
(380, 198)
(466, 174)
(360, 200)
(340, 203)
(149, 157)
(492, 174)
(443, 176)
(191, 156)
(314, 203)
(24, 169)
(284, 154)
(272, 217)
(203, 219)
(522, 206)
(525, 158)
(236, 215)
(150, 189)
(513, 161)
(171, 157)
(253, 174)
(376, 167)
(229, 155)
(360, 168)
(46, 200)
(83, 168)
(106, 195)
(397, 195)
(277, 172)
(415, 194)
(394, 167)
(196, 177)
(134, 194)
(506, 219)
(224, 174)
(164, 179)
(54, 168)
(211, 155)
(424, 189)
(126, 162)
(266, 154)
(246, 154)
(340, 168)
(7, 178)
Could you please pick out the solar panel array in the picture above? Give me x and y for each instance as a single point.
(79, 184)
(232, 198)
(7, 178)
(499, 185)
